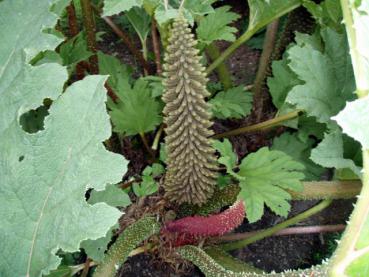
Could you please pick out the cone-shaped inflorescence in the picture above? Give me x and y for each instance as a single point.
(191, 160)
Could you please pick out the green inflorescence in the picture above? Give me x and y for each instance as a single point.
(191, 175)
(211, 268)
(127, 241)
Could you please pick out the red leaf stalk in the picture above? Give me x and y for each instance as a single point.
(209, 226)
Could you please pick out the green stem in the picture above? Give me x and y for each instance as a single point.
(345, 253)
(241, 40)
(90, 28)
(222, 70)
(146, 144)
(264, 62)
(246, 36)
(144, 54)
(270, 231)
(155, 144)
(328, 190)
(260, 126)
(358, 62)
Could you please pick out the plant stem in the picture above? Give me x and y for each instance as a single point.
(270, 231)
(146, 144)
(73, 31)
(89, 24)
(346, 250)
(156, 47)
(264, 65)
(349, 248)
(222, 70)
(260, 126)
(127, 41)
(155, 144)
(86, 268)
(247, 35)
(72, 20)
(242, 39)
(285, 232)
(328, 190)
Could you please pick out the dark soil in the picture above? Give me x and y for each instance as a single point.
(273, 253)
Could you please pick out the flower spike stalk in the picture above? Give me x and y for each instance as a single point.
(191, 171)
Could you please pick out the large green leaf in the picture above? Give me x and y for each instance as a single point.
(352, 119)
(44, 177)
(21, 33)
(327, 76)
(330, 153)
(119, 74)
(140, 21)
(263, 12)
(299, 150)
(264, 177)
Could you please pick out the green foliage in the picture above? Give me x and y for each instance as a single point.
(227, 156)
(112, 7)
(56, 164)
(136, 111)
(74, 50)
(126, 242)
(264, 178)
(70, 119)
(148, 185)
(316, 76)
(330, 153)
(215, 26)
(351, 120)
(119, 74)
(328, 76)
(283, 80)
(327, 13)
(299, 150)
(263, 12)
(233, 103)
(141, 22)
(112, 195)
(95, 249)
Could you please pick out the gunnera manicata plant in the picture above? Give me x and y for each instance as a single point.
(191, 163)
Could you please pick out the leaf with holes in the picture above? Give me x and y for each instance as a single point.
(43, 208)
